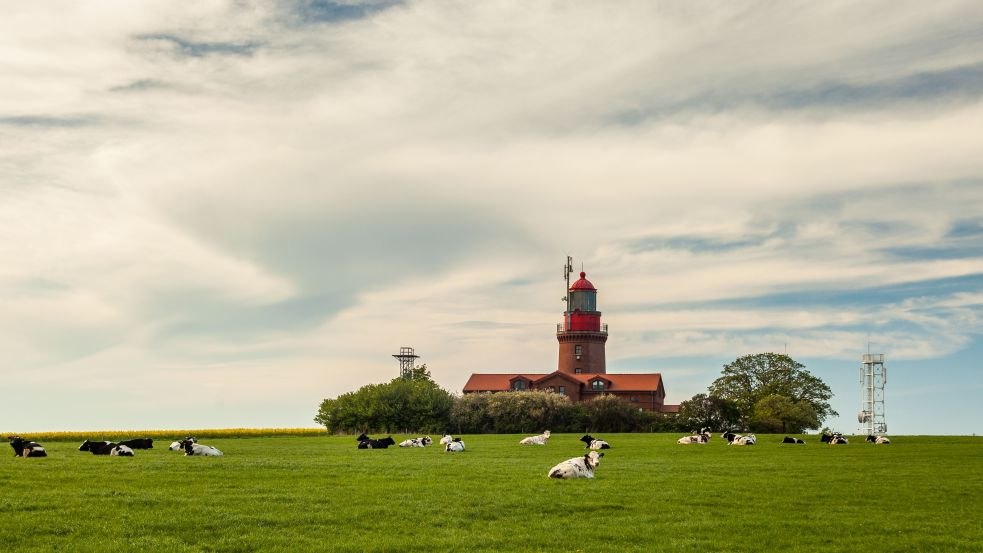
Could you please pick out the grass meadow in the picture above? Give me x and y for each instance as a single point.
(319, 493)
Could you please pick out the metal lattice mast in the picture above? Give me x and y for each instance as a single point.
(873, 378)
(406, 358)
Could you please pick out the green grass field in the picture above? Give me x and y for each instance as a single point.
(322, 494)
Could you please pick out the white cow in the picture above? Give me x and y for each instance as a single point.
(121, 451)
(876, 439)
(750, 439)
(454, 445)
(578, 467)
(192, 448)
(536, 440)
(417, 442)
(446, 439)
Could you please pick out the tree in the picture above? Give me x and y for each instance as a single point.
(399, 405)
(751, 378)
(777, 413)
(708, 411)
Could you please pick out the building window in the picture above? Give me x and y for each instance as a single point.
(519, 385)
(597, 385)
(578, 350)
(563, 390)
(578, 370)
(634, 398)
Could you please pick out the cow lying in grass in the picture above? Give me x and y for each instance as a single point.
(138, 443)
(365, 442)
(536, 440)
(193, 448)
(105, 447)
(176, 445)
(701, 437)
(454, 445)
(788, 440)
(835, 438)
(26, 448)
(876, 439)
(578, 467)
(593, 443)
(737, 439)
(416, 442)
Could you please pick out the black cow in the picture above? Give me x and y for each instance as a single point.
(97, 448)
(138, 443)
(788, 440)
(594, 443)
(365, 442)
(836, 438)
(26, 448)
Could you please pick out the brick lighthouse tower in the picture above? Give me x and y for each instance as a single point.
(581, 334)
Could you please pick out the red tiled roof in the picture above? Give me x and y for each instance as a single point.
(618, 382)
(495, 382)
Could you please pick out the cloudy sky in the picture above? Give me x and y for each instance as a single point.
(218, 213)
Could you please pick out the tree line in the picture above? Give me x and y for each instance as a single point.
(762, 393)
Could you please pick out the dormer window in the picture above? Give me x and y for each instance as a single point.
(519, 384)
(597, 385)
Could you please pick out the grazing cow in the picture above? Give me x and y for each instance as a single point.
(26, 448)
(121, 451)
(416, 442)
(593, 443)
(194, 448)
(836, 438)
(875, 439)
(578, 467)
(97, 448)
(536, 440)
(788, 440)
(138, 443)
(454, 445)
(365, 442)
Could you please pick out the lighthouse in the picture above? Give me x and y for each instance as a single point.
(581, 335)
(581, 374)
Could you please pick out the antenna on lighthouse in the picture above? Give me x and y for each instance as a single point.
(406, 358)
(567, 269)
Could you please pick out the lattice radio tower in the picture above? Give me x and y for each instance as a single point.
(406, 360)
(873, 377)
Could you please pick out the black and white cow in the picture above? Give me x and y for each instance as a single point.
(836, 438)
(365, 442)
(593, 443)
(194, 448)
(416, 442)
(176, 445)
(138, 443)
(541, 439)
(26, 448)
(578, 467)
(98, 448)
(877, 439)
(701, 437)
(788, 440)
(446, 439)
(121, 451)
(455, 445)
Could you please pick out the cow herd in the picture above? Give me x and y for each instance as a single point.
(123, 448)
(576, 467)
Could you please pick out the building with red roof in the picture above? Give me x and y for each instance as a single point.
(581, 372)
